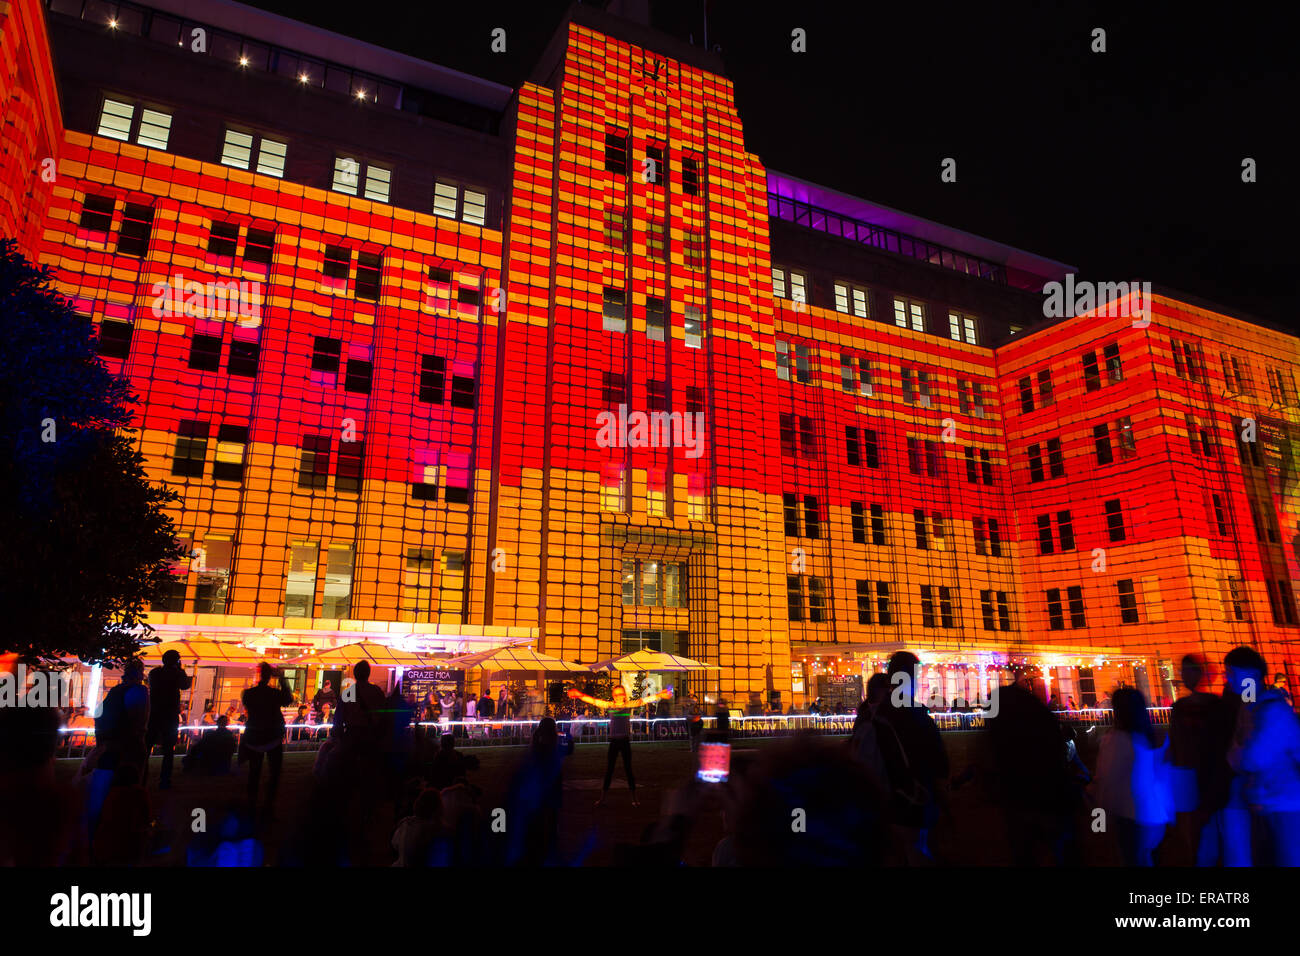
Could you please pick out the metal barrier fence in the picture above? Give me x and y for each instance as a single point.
(78, 741)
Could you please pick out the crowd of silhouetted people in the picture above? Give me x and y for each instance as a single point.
(1220, 787)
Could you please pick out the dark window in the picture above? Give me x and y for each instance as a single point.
(1026, 394)
(655, 170)
(878, 524)
(325, 354)
(468, 295)
(995, 538)
(616, 152)
(981, 536)
(808, 436)
(812, 520)
(369, 267)
(656, 395)
(205, 353)
(613, 389)
(259, 246)
(922, 529)
(914, 456)
(137, 227)
(787, 435)
(1220, 517)
(794, 597)
(986, 467)
(1075, 595)
(972, 473)
(858, 521)
(927, 605)
(946, 618)
(243, 358)
(1045, 396)
(816, 600)
(790, 510)
(1128, 607)
(315, 467)
(870, 448)
(97, 213)
(1055, 613)
(864, 602)
(432, 378)
(1115, 520)
(694, 399)
(986, 610)
(191, 449)
(690, 176)
(338, 259)
(1114, 368)
(358, 375)
(851, 445)
(1101, 440)
(1045, 543)
(1054, 458)
(114, 338)
(1035, 463)
(232, 440)
(462, 391)
(1065, 530)
(351, 456)
(223, 239)
(424, 491)
(1091, 374)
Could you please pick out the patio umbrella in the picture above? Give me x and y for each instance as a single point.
(515, 659)
(380, 655)
(206, 653)
(651, 660)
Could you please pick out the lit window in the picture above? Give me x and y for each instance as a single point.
(654, 319)
(115, 120)
(300, 583)
(694, 327)
(444, 200)
(338, 581)
(778, 283)
(238, 149)
(347, 172)
(474, 207)
(155, 127)
(377, 183)
(270, 158)
(909, 312)
(614, 311)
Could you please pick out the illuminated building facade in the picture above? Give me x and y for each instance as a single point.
(432, 360)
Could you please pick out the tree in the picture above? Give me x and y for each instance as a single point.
(85, 544)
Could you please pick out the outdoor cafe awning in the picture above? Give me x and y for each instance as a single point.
(379, 655)
(205, 653)
(515, 659)
(652, 660)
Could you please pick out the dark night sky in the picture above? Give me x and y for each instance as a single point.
(1126, 164)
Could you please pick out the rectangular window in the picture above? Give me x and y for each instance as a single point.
(369, 268)
(864, 603)
(191, 449)
(205, 353)
(223, 239)
(1026, 395)
(654, 319)
(243, 358)
(654, 170)
(1114, 520)
(878, 524)
(794, 597)
(851, 299)
(270, 158)
(1114, 367)
(615, 230)
(137, 228)
(1055, 460)
(351, 461)
(155, 128)
(1055, 612)
(812, 521)
(237, 151)
(851, 447)
(909, 314)
(1101, 441)
(115, 120)
(97, 214)
(314, 468)
(858, 522)
(445, 196)
(961, 328)
(378, 181)
(338, 582)
(300, 582)
(1035, 463)
(232, 443)
(338, 262)
(1091, 373)
(657, 240)
(1127, 437)
(816, 600)
(325, 354)
(358, 375)
(616, 152)
(808, 437)
(473, 207)
(1065, 530)
(417, 584)
(693, 326)
(790, 512)
(629, 582)
(259, 247)
(786, 431)
(424, 475)
(981, 535)
(1075, 595)
(1235, 605)
(213, 576)
(462, 388)
(1220, 516)
(927, 605)
(1128, 608)
(347, 174)
(690, 176)
(1046, 545)
(921, 528)
(615, 310)
(1046, 396)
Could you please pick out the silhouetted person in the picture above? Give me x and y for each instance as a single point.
(1133, 784)
(1200, 732)
(1032, 774)
(362, 718)
(123, 718)
(535, 798)
(417, 836)
(486, 707)
(325, 696)
(210, 754)
(263, 737)
(1266, 751)
(165, 685)
(914, 756)
(620, 732)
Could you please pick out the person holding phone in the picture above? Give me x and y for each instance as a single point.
(620, 731)
(263, 737)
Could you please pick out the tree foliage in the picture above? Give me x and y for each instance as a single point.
(85, 545)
